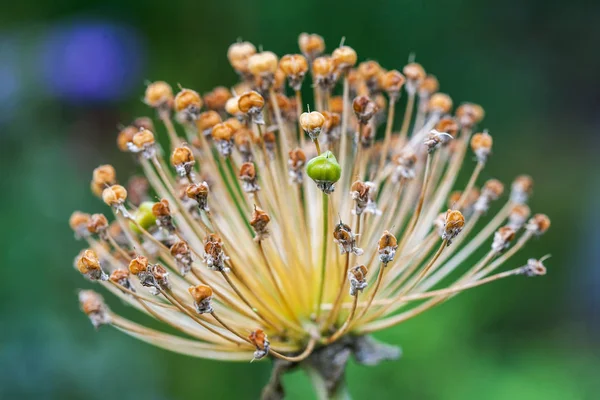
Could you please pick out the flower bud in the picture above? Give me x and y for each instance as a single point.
(296, 162)
(232, 107)
(206, 121)
(358, 279)
(447, 125)
(92, 304)
(259, 222)
(440, 103)
(518, 216)
(158, 95)
(222, 134)
(387, 247)
(344, 57)
(183, 256)
(364, 108)
(89, 265)
(312, 123)
(183, 160)
(121, 278)
(202, 295)
(97, 224)
(346, 240)
(187, 105)
(259, 339)
(392, 81)
(216, 99)
(323, 71)
(198, 192)
(238, 55)
(138, 264)
(469, 114)
(481, 143)
(538, 224)
(311, 45)
(325, 171)
(428, 86)
(453, 224)
(161, 209)
(502, 239)
(125, 137)
(252, 103)
(114, 195)
(521, 189)
(294, 66)
(414, 72)
(143, 139)
(144, 216)
(262, 64)
(78, 223)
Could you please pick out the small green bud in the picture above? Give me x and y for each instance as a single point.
(324, 170)
(144, 217)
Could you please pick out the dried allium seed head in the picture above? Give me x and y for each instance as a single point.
(440, 103)
(538, 224)
(521, 189)
(97, 224)
(92, 304)
(518, 216)
(202, 295)
(143, 139)
(311, 45)
(429, 86)
(259, 339)
(125, 137)
(453, 225)
(346, 240)
(183, 256)
(102, 177)
(469, 114)
(392, 81)
(216, 99)
(312, 123)
(534, 268)
(369, 70)
(159, 94)
(481, 143)
(78, 223)
(138, 265)
(198, 192)
(358, 279)
(448, 125)
(238, 55)
(114, 195)
(263, 64)
(502, 239)
(207, 120)
(89, 265)
(414, 72)
(183, 160)
(387, 247)
(251, 103)
(189, 102)
(364, 108)
(161, 208)
(259, 222)
(344, 57)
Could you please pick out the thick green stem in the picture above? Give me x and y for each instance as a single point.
(324, 253)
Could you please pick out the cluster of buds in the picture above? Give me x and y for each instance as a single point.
(453, 224)
(502, 239)
(491, 191)
(202, 295)
(162, 213)
(346, 240)
(296, 165)
(199, 193)
(248, 178)
(363, 194)
(214, 256)
(89, 265)
(92, 304)
(259, 222)
(259, 339)
(183, 256)
(358, 279)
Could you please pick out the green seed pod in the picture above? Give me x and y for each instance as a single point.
(325, 171)
(144, 217)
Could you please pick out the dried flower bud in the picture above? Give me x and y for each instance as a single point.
(414, 72)
(187, 105)
(358, 279)
(405, 163)
(363, 193)
(125, 137)
(183, 160)
(78, 223)
(259, 339)
(436, 139)
(143, 217)
(92, 304)
(428, 86)
(102, 177)
(469, 114)
(114, 195)
(248, 178)
(518, 216)
(159, 95)
(97, 224)
(392, 81)
(206, 121)
(138, 265)
(343, 236)
(238, 55)
(502, 239)
(214, 257)
(453, 225)
(344, 57)
(369, 70)
(312, 123)
(216, 99)
(440, 103)
(491, 190)
(311, 45)
(183, 256)
(521, 189)
(323, 71)
(222, 134)
(387, 247)
(295, 165)
(232, 107)
(534, 268)
(364, 108)
(162, 213)
(538, 224)
(259, 222)
(198, 192)
(325, 171)
(481, 143)
(143, 142)
(447, 125)
(294, 66)
(89, 265)
(252, 103)
(202, 296)
(263, 64)
(121, 278)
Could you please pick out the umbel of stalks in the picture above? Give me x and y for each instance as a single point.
(266, 229)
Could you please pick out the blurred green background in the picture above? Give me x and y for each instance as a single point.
(71, 71)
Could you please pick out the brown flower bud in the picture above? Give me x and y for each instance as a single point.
(216, 99)
(207, 120)
(93, 306)
(392, 81)
(521, 189)
(188, 100)
(143, 138)
(538, 224)
(97, 224)
(369, 70)
(493, 188)
(440, 103)
(429, 86)
(138, 264)
(202, 296)
(387, 247)
(364, 108)
(238, 55)
(161, 208)
(518, 216)
(78, 223)
(159, 94)
(358, 279)
(222, 132)
(453, 225)
(89, 265)
(125, 137)
(259, 222)
(114, 195)
(183, 256)
(311, 45)
(502, 239)
(312, 123)
(336, 105)
(344, 57)
(120, 276)
(251, 103)
(481, 143)
(323, 70)
(183, 160)
(262, 64)
(293, 65)
(469, 114)
(102, 177)
(448, 125)
(198, 192)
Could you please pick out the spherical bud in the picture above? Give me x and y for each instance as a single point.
(232, 107)
(469, 114)
(182, 155)
(448, 125)
(195, 190)
(481, 143)
(392, 81)
(312, 123)
(538, 224)
(440, 103)
(251, 103)
(144, 217)
(364, 108)
(138, 264)
(222, 132)
(453, 224)
(78, 223)
(89, 265)
(414, 71)
(344, 57)
(161, 208)
(143, 139)
(311, 45)
(114, 195)
(202, 295)
(429, 86)
(238, 54)
(248, 177)
(125, 137)
(323, 71)
(293, 65)
(188, 99)
(207, 120)
(216, 99)
(159, 94)
(325, 171)
(387, 247)
(369, 70)
(264, 63)
(97, 224)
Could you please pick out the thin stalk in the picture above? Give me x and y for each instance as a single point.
(324, 253)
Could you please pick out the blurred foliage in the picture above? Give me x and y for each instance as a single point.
(533, 64)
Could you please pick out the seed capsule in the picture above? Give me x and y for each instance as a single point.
(263, 64)
(238, 55)
(102, 177)
(183, 160)
(538, 224)
(392, 81)
(97, 224)
(311, 45)
(187, 105)
(387, 247)
(144, 216)
(89, 265)
(312, 123)
(358, 279)
(534, 268)
(429, 86)
(325, 171)
(344, 57)
(78, 223)
(364, 108)
(259, 339)
(92, 304)
(202, 295)
(138, 265)
(469, 114)
(159, 95)
(206, 121)
(294, 66)
(453, 225)
(481, 143)
(521, 189)
(114, 195)
(216, 99)
(259, 222)
(440, 103)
